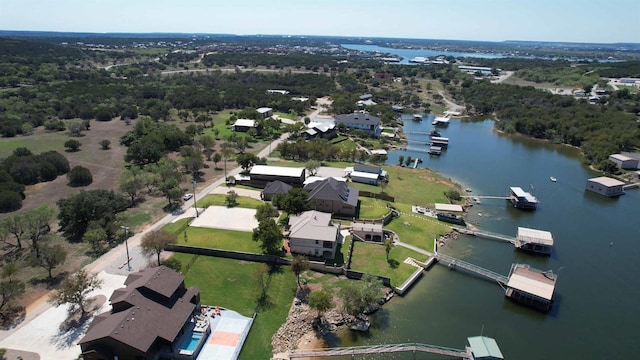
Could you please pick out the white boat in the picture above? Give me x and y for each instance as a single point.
(553, 179)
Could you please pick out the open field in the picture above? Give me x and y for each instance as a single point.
(219, 200)
(212, 238)
(372, 208)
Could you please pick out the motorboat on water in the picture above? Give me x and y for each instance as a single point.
(553, 179)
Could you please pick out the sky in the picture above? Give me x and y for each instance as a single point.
(591, 21)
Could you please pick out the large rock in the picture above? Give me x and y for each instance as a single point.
(360, 325)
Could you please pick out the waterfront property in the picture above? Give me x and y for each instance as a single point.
(151, 317)
(531, 287)
(312, 233)
(624, 162)
(367, 230)
(440, 121)
(521, 199)
(361, 121)
(266, 173)
(333, 196)
(605, 186)
(366, 174)
(538, 241)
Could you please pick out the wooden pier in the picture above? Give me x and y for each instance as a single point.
(631, 186)
(485, 234)
(454, 263)
(487, 197)
(381, 349)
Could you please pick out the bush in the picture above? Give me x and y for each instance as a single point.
(105, 144)
(79, 176)
(72, 145)
(10, 201)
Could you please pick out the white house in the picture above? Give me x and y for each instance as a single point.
(360, 121)
(605, 186)
(313, 234)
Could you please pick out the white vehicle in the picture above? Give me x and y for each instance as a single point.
(187, 196)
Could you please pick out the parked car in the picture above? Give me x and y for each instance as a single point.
(187, 196)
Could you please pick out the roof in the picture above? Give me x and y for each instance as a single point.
(357, 118)
(245, 122)
(448, 207)
(379, 152)
(312, 179)
(276, 170)
(621, 157)
(535, 236)
(264, 110)
(482, 346)
(277, 187)
(607, 181)
(518, 192)
(331, 189)
(366, 226)
(313, 225)
(368, 102)
(531, 281)
(439, 139)
(364, 175)
(367, 169)
(154, 304)
(366, 96)
(311, 132)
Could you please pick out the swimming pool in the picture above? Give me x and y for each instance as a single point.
(191, 343)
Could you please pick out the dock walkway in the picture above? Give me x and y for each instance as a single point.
(381, 349)
(457, 263)
(485, 234)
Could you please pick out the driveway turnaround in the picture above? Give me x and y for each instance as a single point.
(222, 217)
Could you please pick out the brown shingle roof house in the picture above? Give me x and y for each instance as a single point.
(146, 319)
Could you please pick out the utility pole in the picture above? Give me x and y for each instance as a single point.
(126, 245)
(195, 205)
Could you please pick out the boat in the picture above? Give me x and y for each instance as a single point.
(450, 218)
(433, 133)
(417, 117)
(553, 179)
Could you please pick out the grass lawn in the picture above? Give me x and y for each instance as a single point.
(415, 229)
(371, 259)
(286, 115)
(231, 284)
(36, 143)
(372, 208)
(218, 200)
(212, 238)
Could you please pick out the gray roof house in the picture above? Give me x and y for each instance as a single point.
(147, 319)
(361, 121)
(274, 188)
(333, 196)
(313, 234)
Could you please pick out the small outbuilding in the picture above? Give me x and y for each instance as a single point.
(624, 162)
(364, 177)
(538, 241)
(265, 112)
(531, 287)
(243, 125)
(605, 186)
(367, 230)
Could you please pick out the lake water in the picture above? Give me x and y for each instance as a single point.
(597, 298)
(408, 54)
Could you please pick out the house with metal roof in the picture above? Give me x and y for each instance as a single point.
(150, 317)
(266, 173)
(265, 112)
(243, 125)
(313, 234)
(605, 186)
(361, 121)
(624, 162)
(333, 196)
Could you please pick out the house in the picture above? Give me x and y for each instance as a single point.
(266, 173)
(313, 234)
(367, 102)
(624, 162)
(366, 97)
(361, 121)
(243, 125)
(323, 130)
(265, 112)
(605, 186)
(367, 230)
(150, 317)
(275, 188)
(281, 92)
(333, 196)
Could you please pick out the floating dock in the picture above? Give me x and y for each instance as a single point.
(532, 240)
(525, 285)
(521, 199)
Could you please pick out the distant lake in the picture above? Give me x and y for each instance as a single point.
(408, 54)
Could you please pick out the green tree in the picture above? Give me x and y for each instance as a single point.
(321, 301)
(293, 202)
(312, 166)
(104, 144)
(72, 145)
(37, 224)
(9, 270)
(74, 291)
(231, 199)
(388, 245)
(265, 211)
(269, 235)
(453, 195)
(79, 176)
(400, 160)
(358, 295)
(227, 152)
(95, 238)
(50, 258)
(131, 185)
(9, 291)
(173, 263)
(154, 242)
(78, 210)
(216, 159)
(15, 225)
(299, 264)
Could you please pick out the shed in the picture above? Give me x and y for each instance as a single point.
(531, 287)
(624, 162)
(449, 207)
(244, 125)
(367, 230)
(539, 241)
(364, 177)
(605, 186)
(484, 348)
(266, 112)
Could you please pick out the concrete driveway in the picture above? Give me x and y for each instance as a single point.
(222, 217)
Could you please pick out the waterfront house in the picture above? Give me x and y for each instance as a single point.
(624, 162)
(313, 234)
(324, 130)
(265, 173)
(531, 287)
(361, 121)
(605, 186)
(243, 125)
(333, 196)
(149, 318)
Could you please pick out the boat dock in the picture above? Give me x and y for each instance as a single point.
(537, 241)
(486, 197)
(631, 186)
(477, 345)
(485, 234)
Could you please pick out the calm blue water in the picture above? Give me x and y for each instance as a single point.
(597, 246)
(408, 54)
(191, 343)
